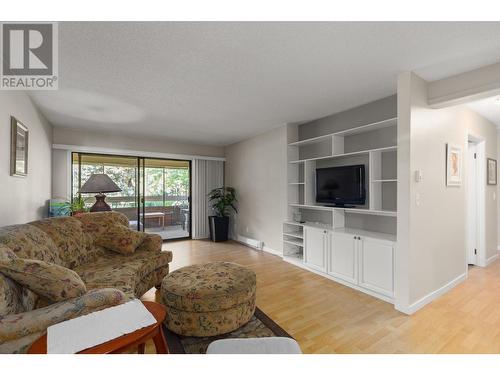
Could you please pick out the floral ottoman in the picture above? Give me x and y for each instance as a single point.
(208, 299)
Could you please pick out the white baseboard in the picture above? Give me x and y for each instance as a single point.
(492, 259)
(272, 251)
(414, 307)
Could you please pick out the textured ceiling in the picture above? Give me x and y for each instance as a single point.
(217, 83)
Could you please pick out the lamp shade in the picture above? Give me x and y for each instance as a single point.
(99, 183)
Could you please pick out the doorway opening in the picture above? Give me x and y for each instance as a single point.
(155, 193)
(475, 201)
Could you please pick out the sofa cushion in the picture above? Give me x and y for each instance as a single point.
(97, 223)
(69, 238)
(10, 292)
(49, 280)
(120, 239)
(120, 271)
(29, 242)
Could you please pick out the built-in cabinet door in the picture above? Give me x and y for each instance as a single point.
(342, 262)
(376, 265)
(315, 247)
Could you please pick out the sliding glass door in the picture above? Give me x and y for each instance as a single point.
(166, 208)
(155, 196)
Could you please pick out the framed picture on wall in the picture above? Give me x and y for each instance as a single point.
(453, 165)
(18, 148)
(491, 167)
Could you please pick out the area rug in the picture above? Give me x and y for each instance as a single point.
(259, 326)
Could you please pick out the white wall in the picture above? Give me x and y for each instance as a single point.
(24, 199)
(431, 233)
(256, 167)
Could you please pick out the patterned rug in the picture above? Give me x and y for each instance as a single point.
(259, 326)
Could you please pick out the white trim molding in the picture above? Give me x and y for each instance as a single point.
(272, 251)
(414, 307)
(492, 258)
(137, 153)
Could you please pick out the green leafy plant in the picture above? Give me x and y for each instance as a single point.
(78, 205)
(223, 200)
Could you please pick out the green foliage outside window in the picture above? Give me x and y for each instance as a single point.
(175, 188)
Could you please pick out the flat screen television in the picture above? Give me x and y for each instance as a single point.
(341, 186)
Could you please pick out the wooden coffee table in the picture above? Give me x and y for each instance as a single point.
(126, 342)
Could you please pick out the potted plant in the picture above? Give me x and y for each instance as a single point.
(78, 207)
(223, 201)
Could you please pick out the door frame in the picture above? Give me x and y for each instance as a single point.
(480, 144)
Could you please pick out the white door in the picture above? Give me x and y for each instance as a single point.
(472, 206)
(342, 260)
(376, 265)
(315, 245)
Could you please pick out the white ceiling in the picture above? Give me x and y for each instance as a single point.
(218, 83)
(488, 108)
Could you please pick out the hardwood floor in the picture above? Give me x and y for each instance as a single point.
(326, 317)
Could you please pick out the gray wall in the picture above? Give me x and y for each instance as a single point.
(378, 110)
(24, 199)
(256, 167)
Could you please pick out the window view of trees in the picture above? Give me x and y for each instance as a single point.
(175, 189)
(164, 186)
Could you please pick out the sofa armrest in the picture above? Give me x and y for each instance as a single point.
(15, 326)
(151, 242)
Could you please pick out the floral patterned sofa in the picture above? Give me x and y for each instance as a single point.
(110, 278)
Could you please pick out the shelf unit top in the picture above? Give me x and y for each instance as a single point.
(357, 130)
(365, 211)
(381, 149)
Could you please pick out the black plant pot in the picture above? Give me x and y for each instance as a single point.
(219, 228)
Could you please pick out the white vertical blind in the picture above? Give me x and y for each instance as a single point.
(207, 175)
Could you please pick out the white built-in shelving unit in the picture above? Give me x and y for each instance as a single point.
(380, 178)
(327, 226)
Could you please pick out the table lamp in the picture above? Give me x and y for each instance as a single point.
(100, 184)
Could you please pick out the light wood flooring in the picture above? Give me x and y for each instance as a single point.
(327, 317)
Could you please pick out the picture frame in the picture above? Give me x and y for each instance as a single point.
(491, 168)
(453, 165)
(19, 148)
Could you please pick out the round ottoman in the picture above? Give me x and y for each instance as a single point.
(208, 299)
